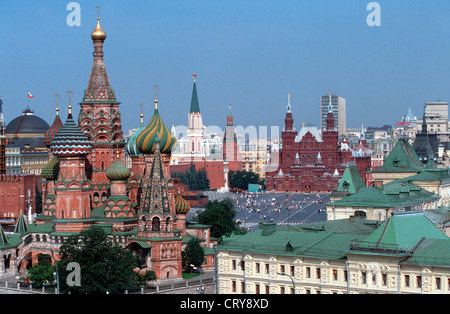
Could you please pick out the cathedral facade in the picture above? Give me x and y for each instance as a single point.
(86, 183)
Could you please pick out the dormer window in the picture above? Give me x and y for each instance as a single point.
(396, 162)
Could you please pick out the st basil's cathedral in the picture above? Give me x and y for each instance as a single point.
(86, 183)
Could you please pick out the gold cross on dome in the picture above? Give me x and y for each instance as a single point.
(98, 11)
(69, 92)
(156, 90)
(57, 98)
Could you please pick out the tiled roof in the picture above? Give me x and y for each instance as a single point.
(402, 158)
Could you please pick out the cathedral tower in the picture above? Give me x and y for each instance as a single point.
(99, 117)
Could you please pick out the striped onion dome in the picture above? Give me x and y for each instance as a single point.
(118, 171)
(54, 128)
(145, 141)
(131, 143)
(181, 205)
(51, 169)
(70, 141)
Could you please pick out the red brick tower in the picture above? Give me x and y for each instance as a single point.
(230, 147)
(288, 140)
(330, 139)
(100, 118)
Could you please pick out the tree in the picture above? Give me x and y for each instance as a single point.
(241, 179)
(42, 272)
(220, 216)
(105, 266)
(196, 180)
(193, 254)
(142, 279)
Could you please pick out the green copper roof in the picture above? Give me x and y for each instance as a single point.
(431, 252)
(393, 194)
(351, 180)
(402, 158)
(269, 239)
(405, 230)
(21, 226)
(194, 101)
(3, 238)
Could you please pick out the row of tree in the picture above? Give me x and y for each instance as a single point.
(196, 180)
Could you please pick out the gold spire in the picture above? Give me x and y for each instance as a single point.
(57, 105)
(156, 95)
(142, 114)
(98, 33)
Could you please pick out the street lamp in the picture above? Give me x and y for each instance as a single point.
(201, 290)
(284, 274)
(55, 274)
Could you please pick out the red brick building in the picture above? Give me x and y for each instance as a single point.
(310, 161)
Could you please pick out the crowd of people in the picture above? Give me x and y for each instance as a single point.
(267, 206)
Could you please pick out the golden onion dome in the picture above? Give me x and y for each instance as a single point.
(181, 205)
(98, 33)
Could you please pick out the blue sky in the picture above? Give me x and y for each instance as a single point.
(249, 54)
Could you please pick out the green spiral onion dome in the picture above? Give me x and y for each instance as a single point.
(181, 205)
(51, 169)
(145, 141)
(131, 143)
(53, 130)
(70, 141)
(118, 171)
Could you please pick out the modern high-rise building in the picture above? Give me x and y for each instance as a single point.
(338, 105)
(436, 118)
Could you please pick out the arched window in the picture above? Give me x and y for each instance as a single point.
(155, 224)
(167, 224)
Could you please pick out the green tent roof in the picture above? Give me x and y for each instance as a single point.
(351, 180)
(402, 158)
(21, 225)
(194, 101)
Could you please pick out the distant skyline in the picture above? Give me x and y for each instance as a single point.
(249, 54)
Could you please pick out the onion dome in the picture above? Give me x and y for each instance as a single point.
(131, 143)
(118, 171)
(51, 169)
(146, 143)
(54, 128)
(70, 141)
(98, 33)
(181, 205)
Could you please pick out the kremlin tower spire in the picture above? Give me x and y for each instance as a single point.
(194, 134)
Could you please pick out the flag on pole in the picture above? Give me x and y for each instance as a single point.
(30, 96)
